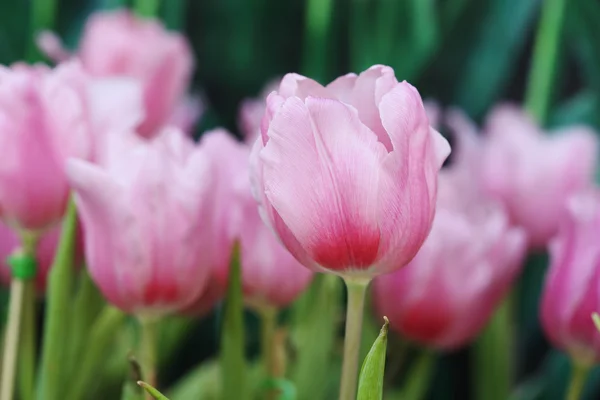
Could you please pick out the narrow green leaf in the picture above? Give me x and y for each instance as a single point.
(152, 391)
(285, 388)
(370, 384)
(232, 336)
(203, 382)
(417, 381)
(313, 366)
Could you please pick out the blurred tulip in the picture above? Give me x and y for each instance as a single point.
(9, 242)
(252, 110)
(147, 217)
(571, 292)
(117, 43)
(447, 293)
(47, 116)
(186, 114)
(347, 174)
(271, 276)
(532, 173)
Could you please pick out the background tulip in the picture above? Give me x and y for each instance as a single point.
(447, 293)
(146, 214)
(533, 174)
(571, 292)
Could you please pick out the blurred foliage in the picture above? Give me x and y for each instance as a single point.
(470, 53)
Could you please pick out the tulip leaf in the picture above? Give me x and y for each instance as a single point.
(284, 388)
(370, 384)
(314, 362)
(233, 362)
(152, 391)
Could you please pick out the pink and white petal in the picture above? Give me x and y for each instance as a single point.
(317, 165)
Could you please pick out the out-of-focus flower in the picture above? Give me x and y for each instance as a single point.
(117, 43)
(186, 114)
(571, 291)
(532, 173)
(447, 293)
(271, 276)
(252, 110)
(147, 213)
(9, 242)
(347, 174)
(47, 116)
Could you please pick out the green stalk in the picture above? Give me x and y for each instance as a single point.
(58, 311)
(27, 360)
(43, 15)
(103, 332)
(578, 377)
(147, 8)
(545, 58)
(268, 320)
(492, 357)
(316, 43)
(148, 349)
(357, 289)
(11, 341)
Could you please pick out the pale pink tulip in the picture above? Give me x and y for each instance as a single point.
(252, 110)
(117, 43)
(271, 276)
(47, 116)
(186, 114)
(572, 288)
(147, 213)
(9, 242)
(533, 173)
(447, 293)
(347, 174)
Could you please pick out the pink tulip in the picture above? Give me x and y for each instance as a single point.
(270, 274)
(9, 242)
(186, 114)
(117, 43)
(347, 174)
(47, 116)
(147, 214)
(533, 173)
(572, 292)
(252, 110)
(447, 293)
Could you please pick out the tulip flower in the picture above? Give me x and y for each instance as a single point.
(571, 292)
(146, 215)
(532, 173)
(117, 43)
(447, 293)
(346, 175)
(252, 110)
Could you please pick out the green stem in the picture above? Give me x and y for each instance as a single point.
(147, 8)
(492, 356)
(357, 289)
(87, 305)
(578, 377)
(58, 310)
(11, 341)
(43, 14)
(268, 316)
(318, 18)
(148, 349)
(103, 331)
(27, 360)
(545, 57)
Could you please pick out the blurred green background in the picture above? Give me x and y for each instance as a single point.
(466, 53)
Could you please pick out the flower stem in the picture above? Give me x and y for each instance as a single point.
(357, 289)
(578, 376)
(148, 349)
(11, 341)
(543, 65)
(268, 316)
(27, 360)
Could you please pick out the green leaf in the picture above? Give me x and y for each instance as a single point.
(152, 391)
(417, 381)
(201, 383)
(313, 364)
(284, 387)
(233, 363)
(370, 384)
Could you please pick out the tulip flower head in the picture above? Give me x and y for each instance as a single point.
(346, 174)
(47, 116)
(571, 292)
(533, 174)
(447, 293)
(147, 216)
